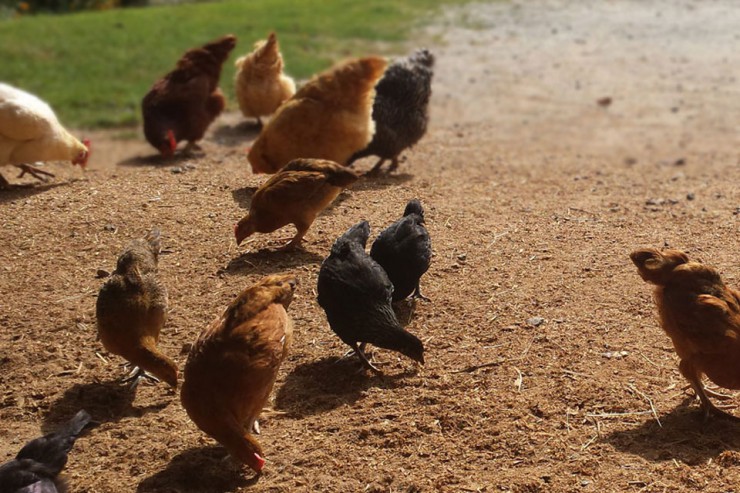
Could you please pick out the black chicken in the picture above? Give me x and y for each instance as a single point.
(37, 465)
(401, 109)
(355, 293)
(404, 250)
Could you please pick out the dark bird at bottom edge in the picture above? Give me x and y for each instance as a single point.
(37, 466)
(355, 293)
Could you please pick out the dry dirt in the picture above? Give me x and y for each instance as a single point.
(536, 195)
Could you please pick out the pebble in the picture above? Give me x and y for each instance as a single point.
(535, 321)
(102, 273)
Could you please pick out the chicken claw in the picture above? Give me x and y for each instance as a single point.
(136, 376)
(34, 171)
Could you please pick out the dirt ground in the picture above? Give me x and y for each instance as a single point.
(546, 370)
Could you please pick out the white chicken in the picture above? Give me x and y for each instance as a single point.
(260, 84)
(31, 132)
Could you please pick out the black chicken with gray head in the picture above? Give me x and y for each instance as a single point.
(355, 293)
(401, 109)
(37, 466)
(404, 250)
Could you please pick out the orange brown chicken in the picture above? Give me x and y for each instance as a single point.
(330, 117)
(131, 311)
(701, 315)
(295, 195)
(233, 365)
(260, 84)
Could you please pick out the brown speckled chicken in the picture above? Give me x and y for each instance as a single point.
(295, 195)
(700, 314)
(328, 118)
(131, 311)
(260, 84)
(233, 365)
(182, 104)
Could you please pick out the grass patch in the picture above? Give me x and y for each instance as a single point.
(94, 67)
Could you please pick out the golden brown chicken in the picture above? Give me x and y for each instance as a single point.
(233, 365)
(295, 195)
(328, 118)
(132, 308)
(260, 84)
(700, 314)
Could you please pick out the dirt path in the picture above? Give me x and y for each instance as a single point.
(546, 369)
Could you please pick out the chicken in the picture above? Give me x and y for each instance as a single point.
(401, 109)
(328, 118)
(355, 293)
(37, 466)
(700, 314)
(295, 195)
(404, 251)
(131, 310)
(233, 365)
(30, 132)
(182, 104)
(261, 87)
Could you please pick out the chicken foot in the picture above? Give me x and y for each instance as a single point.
(295, 242)
(694, 378)
(136, 376)
(359, 352)
(34, 171)
(417, 294)
(191, 148)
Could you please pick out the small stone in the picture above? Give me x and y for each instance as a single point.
(110, 227)
(679, 162)
(690, 196)
(177, 170)
(101, 274)
(535, 321)
(462, 257)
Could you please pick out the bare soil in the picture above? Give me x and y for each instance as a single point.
(546, 368)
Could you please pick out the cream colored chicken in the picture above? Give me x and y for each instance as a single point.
(31, 132)
(261, 86)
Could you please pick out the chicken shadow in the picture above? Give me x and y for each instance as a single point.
(157, 160)
(684, 436)
(13, 193)
(320, 386)
(381, 181)
(267, 261)
(201, 470)
(234, 135)
(405, 311)
(105, 401)
(243, 196)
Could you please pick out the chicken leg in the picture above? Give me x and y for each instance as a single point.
(359, 351)
(295, 242)
(694, 377)
(136, 375)
(34, 171)
(417, 294)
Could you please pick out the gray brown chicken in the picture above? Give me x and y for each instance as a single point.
(401, 109)
(131, 311)
(182, 104)
(700, 314)
(355, 293)
(328, 118)
(295, 195)
(233, 365)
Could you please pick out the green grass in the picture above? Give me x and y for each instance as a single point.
(94, 67)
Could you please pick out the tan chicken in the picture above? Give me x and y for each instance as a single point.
(233, 365)
(131, 311)
(701, 315)
(330, 117)
(260, 84)
(295, 195)
(31, 132)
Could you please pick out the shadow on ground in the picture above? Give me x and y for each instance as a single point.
(267, 261)
(320, 386)
(202, 470)
(684, 436)
(235, 135)
(105, 401)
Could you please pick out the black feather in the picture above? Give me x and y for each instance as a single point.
(355, 293)
(37, 465)
(404, 250)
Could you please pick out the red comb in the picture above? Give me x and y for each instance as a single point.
(260, 462)
(173, 142)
